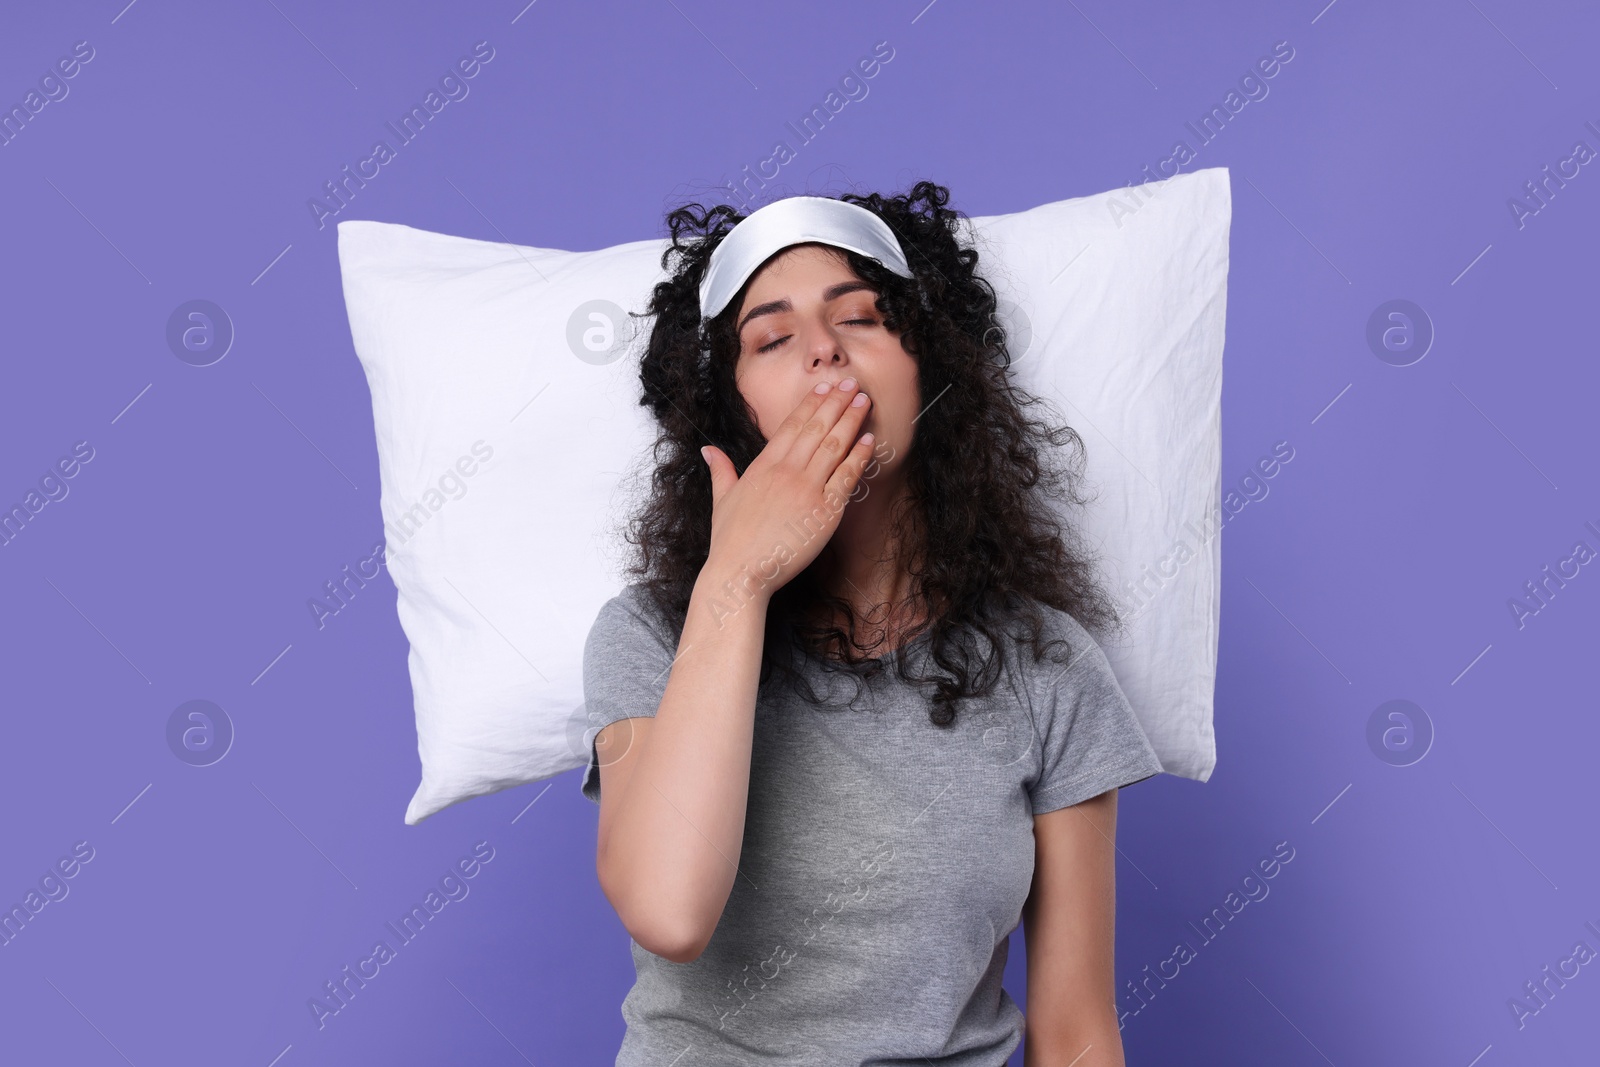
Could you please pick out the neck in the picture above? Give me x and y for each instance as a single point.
(864, 565)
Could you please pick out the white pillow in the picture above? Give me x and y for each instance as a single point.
(511, 449)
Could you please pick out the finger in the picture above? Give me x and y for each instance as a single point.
(849, 473)
(719, 466)
(784, 436)
(803, 448)
(835, 447)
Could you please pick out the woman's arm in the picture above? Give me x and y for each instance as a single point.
(672, 806)
(1069, 922)
(672, 798)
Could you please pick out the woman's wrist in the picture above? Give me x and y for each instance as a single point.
(735, 586)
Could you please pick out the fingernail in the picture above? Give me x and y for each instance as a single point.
(824, 387)
(861, 398)
(848, 383)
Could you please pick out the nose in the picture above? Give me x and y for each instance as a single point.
(829, 362)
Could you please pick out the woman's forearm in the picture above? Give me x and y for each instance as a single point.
(669, 857)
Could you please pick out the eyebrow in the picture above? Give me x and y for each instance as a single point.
(773, 307)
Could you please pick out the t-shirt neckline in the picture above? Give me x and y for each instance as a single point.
(888, 659)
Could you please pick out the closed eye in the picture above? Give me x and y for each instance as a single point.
(848, 322)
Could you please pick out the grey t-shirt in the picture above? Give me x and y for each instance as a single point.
(885, 860)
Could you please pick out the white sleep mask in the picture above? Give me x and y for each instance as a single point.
(791, 221)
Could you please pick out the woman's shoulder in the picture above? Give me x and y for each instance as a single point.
(634, 610)
(1065, 643)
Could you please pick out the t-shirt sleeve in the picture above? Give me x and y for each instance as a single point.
(1090, 741)
(627, 660)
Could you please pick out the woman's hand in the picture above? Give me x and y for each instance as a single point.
(797, 487)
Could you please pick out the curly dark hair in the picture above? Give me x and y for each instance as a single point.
(985, 547)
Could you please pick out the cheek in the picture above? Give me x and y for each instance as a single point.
(902, 397)
(769, 405)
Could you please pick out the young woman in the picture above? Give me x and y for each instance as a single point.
(855, 725)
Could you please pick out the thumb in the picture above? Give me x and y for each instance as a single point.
(720, 466)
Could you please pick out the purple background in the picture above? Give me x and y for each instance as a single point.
(219, 499)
